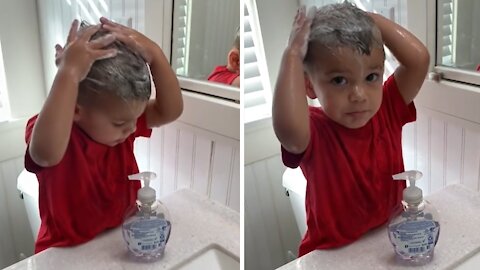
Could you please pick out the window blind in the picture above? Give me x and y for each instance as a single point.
(257, 93)
(446, 17)
(180, 40)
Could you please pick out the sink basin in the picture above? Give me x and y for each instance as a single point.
(470, 263)
(213, 257)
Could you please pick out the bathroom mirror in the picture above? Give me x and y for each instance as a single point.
(458, 36)
(203, 33)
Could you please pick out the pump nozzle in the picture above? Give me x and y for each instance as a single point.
(146, 194)
(411, 194)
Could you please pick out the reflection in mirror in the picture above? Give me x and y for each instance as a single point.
(458, 37)
(204, 34)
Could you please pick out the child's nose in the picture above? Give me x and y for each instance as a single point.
(130, 129)
(357, 94)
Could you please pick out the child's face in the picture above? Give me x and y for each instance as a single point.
(348, 84)
(111, 122)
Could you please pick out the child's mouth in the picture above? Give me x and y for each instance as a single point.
(357, 113)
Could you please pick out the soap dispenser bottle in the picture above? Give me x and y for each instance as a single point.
(147, 227)
(414, 233)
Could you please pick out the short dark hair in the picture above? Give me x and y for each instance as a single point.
(126, 75)
(236, 41)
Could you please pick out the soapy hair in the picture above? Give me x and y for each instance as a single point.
(126, 75)
(342, 25)
(236, 41)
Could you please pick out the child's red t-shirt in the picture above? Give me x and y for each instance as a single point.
(88, 191)
(349, 172)
(221, 74)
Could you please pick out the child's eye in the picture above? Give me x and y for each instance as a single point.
(339, 80)
(119, 124)
(372, 77)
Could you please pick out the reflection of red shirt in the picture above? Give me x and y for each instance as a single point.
(349, 172)
(221, 74)
(88, 191)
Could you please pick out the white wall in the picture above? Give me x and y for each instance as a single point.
(276, 19)
(23, 71)
(25, 85)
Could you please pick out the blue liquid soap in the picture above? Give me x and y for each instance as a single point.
(414, 233)
(147, 228)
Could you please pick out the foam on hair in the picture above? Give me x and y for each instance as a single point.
(343, 25)
(236, 41)
(126, 75)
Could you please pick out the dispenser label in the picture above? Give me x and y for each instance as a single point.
(148, 234)
(414, 237)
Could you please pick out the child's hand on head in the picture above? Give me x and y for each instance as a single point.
(133, 39)
(80, 53)
(298, 41)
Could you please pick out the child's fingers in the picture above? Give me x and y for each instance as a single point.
(133, 44)
(58, 50)
(299, 16)
(106, 21)
(73, 31)
(311, 12)
(102, 41)
(104, 54)
(130, 42)
(107, 24)
(117, 29)
(88, 32)
(303, 10)
(58, 53)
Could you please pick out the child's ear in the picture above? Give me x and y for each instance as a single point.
(309, 87)
(76, 113)
(234, 59)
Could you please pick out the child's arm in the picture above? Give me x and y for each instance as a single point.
(236, 82)
(51, 133)
(290, 108)
(168, 103)
(409, 51)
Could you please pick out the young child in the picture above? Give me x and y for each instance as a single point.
(349, 148)
(80, 145)
(229, 74)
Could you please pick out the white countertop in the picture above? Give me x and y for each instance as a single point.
(197, 223)
(457, 248)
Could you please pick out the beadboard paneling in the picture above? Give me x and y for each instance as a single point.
(185, 156)
(446, 149)
(270, 228)
(16, 236)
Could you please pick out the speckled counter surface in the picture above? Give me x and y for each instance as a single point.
(459, 240)
(197, 223)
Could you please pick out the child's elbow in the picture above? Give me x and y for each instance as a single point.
(292, 140)
(43, 158)
(173, 112)
(177, 110)
(424, 58)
